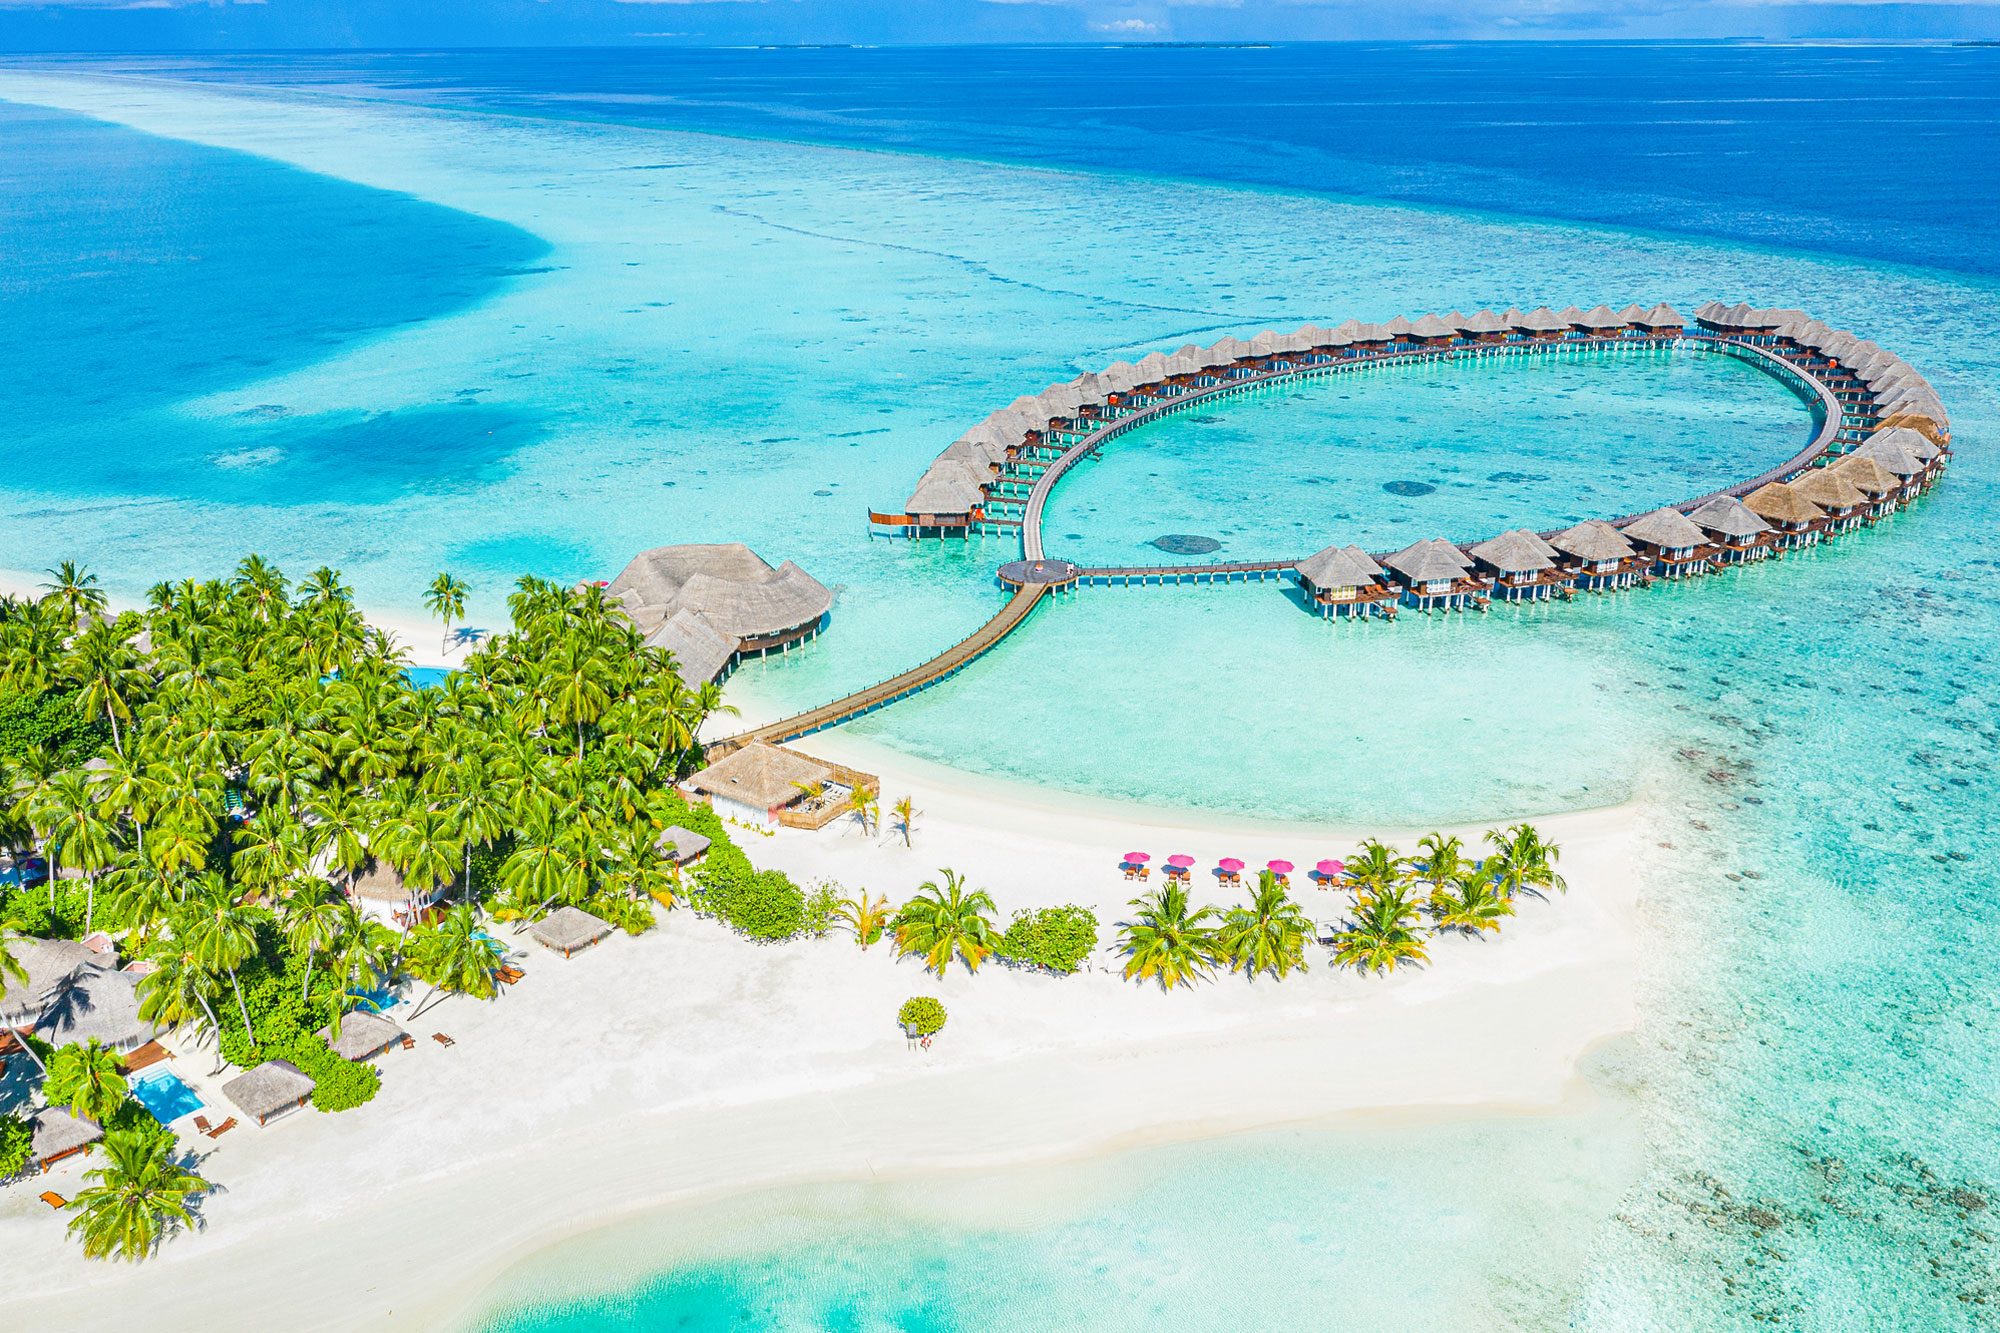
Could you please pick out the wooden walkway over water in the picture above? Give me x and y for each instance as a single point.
(1036, 575)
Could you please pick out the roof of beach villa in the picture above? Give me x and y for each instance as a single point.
(1729, 517)
(1664, 527)
(1517, 552)
(269, 1088)
(760, 776)
(568, 929)
(1593, 539)
(1340, 567)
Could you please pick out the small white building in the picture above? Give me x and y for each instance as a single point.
(754, 785)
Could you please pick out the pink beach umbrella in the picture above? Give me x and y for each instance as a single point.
(1137, 858)
(1278, 867)
(1180, 862)
(1331, 869)
(1229, 863)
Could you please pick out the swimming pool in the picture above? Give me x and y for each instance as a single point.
(374, 1001)
(164, 1095)
(426, 678)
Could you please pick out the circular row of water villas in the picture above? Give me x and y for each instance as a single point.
(983, 479)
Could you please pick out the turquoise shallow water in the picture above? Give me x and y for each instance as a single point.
(1811, 1086)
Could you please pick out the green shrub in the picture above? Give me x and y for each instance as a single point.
(822, 909)
(338, 1084)
(15, 1138)
(30, 906)
(763, 904)
(921, 1015)
(54, 721)
(1056, 939)
(133, 1118)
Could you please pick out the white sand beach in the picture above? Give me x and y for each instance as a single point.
(688, 1064)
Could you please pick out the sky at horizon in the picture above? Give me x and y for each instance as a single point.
(31, 26)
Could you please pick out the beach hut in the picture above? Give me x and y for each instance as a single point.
(49, 965)
(1345, 581)
(381, 893)
(1739, 535)
(1598, 556)
(54, 1133)
(682, 846)
(1435, 576)
(569, 929)
(1523, 566)
(272, 1089)
(1845, 504)
(363, 1035)
(754, 784)
(1795, 519)
(1484, 327)
(1671, 543)
(1881, 486)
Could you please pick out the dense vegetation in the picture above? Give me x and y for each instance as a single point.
(921, 1016)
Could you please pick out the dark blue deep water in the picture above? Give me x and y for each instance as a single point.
(1888, 153)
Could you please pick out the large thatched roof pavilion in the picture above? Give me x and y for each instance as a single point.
(708, 604)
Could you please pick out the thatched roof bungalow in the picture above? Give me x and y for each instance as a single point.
(49, 964)
(1434, 573)
(95, 1004)
(55, 1133)
(1343, 580)
(568, 930)
(682, 846)
(732, 590)
(1796, 519)
(363, 1035)
(754, 783)
(1733, 526)
(1598, 554)
(270, 1090)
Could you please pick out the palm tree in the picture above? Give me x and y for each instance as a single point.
(1168, 942)
(1269, 935)
(446, 600)
(865, 916)
(221, 933)
(1375, 869)
(139, 1196)
(1443, 861)
(864, 805)
(1474, 905)
(74, 593)
(334, 825)
(12, 967)
(578, 696)
(906, 818)
(71, 826)
(313, 921)
(477, 813)
(104, 664)
(264, 586)
(176, 993)
(1383, 933)
(420, 842)
(1526, 860)
(86, 1079)
(455, 954)
(943, 921)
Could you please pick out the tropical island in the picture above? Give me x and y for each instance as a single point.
(250, 848)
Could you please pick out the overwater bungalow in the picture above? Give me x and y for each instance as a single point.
(1796, 520)
(1881, 486)
(1484, 327)
(1734, 528)
(1436, 576)
(1521, 565)
(1540, 325)
(1632, 319)
(1843, 501)
(1663, 321)
(734, 593)
(1432, 331)
(1600, 321)
(1598, 556)
(1671, 543)
(1346, 581)
(1570, 320)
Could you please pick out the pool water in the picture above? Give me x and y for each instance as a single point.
(165, 1096)
(374, 1001)
(426, 678)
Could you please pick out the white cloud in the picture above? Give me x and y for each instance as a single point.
(1129, 27)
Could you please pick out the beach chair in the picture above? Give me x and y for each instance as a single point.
(54, 1200)
(409, 1042)
(442, 1040)
(201, 1124)
(509, 975)
(222, 1128)
(1131, 872)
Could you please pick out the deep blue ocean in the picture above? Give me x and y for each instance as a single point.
(254, 324)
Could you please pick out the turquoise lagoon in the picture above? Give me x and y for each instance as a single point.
(731, 339)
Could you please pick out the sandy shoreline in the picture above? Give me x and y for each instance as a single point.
(687, 1065)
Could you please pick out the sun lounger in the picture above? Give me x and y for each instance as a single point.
(442, 1040)
(509, 975)
(409, 1042)
(222, 1128)
(201, 1124)
(54, 1200)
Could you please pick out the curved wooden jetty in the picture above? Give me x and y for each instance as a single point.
(1852, 386)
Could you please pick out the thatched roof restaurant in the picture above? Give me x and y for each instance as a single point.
(269, 1090)
(754, 783)
(730, 590)
(568, 929)
(362, 1035)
